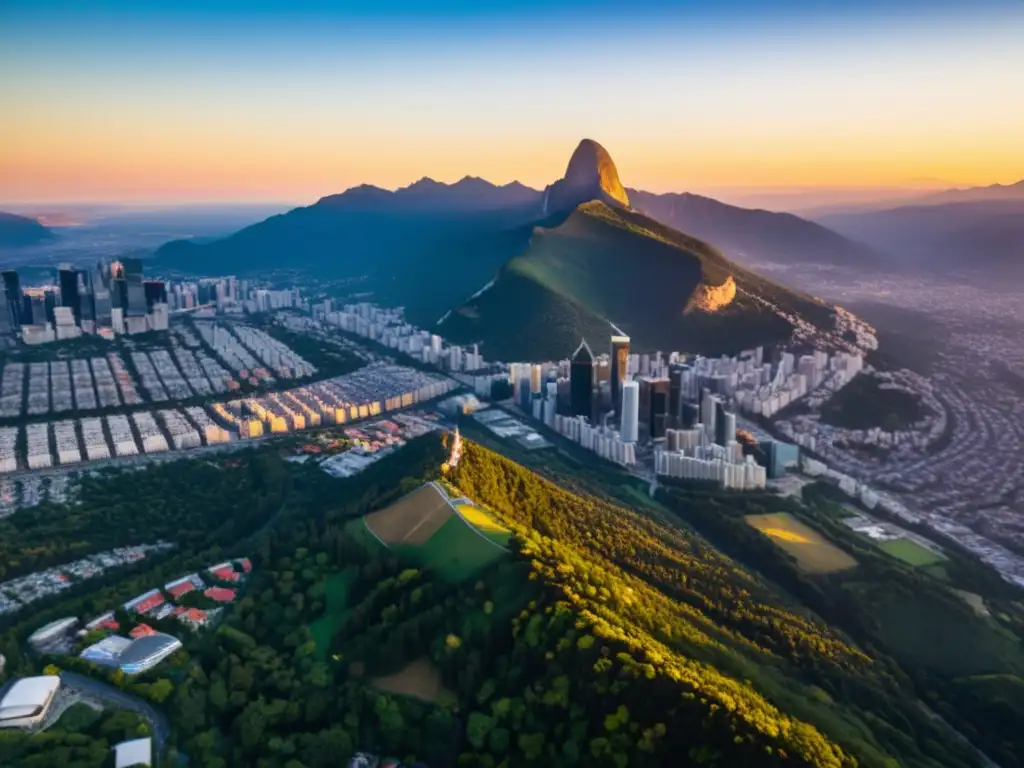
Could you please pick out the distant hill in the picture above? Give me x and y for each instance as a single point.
(752, 235)
(19, 231)
(974, 194)
(983, 234)
(601, 266)
(427, 245)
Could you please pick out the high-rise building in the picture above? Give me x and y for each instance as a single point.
(690, 416)
(135, 294)
(155, 292)
(6, 316)
(675, 395)
(581, 378)
(620, 369)
(15, 301)
(658, 419)
(780, 456)
(102, 304)
(709, 405)
(725, 426)
(67, 279)
(630, 408)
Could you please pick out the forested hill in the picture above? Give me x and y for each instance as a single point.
(587, 633)
(680, 635)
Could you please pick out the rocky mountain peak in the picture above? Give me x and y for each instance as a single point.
(590, 175)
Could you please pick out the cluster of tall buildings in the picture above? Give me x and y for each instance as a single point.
(678, 409)
(229, 294)
(106, 299)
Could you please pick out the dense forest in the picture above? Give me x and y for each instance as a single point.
(611, 634)
(83, 737)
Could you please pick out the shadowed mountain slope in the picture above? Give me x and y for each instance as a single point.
(753, 235)
(18, 231)
(601, 266)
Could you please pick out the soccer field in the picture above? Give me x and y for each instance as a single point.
(813, 553)
(910, 552)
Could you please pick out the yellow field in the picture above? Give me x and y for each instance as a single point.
(480, 519)
(813, 553)
(419, 679)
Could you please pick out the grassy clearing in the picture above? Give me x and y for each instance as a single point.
(335, 610)
(813, 553)
(946, 636)
(910, 552)
(419, 679)
(456, 551)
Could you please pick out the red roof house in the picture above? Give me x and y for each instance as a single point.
(181, 588)
(220, 594)
(141, 630)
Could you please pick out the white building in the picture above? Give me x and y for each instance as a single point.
(27, 701)
(630, 411)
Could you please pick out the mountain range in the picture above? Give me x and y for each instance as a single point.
(19, 231)
(963, 230)
(527, 273)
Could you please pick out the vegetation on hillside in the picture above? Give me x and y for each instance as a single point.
(606, 637)
(864, 404)
(587, 270)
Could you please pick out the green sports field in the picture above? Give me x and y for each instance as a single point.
(910, 552)
(456, 551)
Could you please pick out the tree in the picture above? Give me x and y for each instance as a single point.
(478, 726)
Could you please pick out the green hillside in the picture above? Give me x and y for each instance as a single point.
(602, 265)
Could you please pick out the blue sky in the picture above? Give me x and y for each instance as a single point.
(262, 99)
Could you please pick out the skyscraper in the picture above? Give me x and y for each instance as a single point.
(155, 292)
(725, 426)
(675, 396)
(620, 368)
(709, 407)
(630, 408)
(658, 419)
(12, 288)
(68, 282)
(136, 294)
(581, 378)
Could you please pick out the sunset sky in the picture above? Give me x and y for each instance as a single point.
(153, 100)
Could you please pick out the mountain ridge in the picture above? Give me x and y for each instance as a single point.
(20, 231)
(752, 233)
(674, 292)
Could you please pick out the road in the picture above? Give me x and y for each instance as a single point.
(158, 722)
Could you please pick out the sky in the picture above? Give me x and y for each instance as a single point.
(202, 100)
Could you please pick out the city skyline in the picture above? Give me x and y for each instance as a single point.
(188, 102)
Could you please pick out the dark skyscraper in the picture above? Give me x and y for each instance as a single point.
(675, 396)
(15, 301)
(581, 381)
(155, 291)
(658, 420)
(620, 368)
(69, 297)
(135, 294)
(690, 416)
